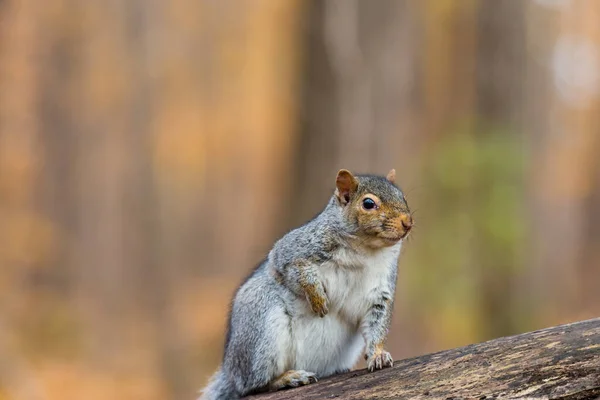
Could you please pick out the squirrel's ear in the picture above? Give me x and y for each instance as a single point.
(391, 176)
(346, 185)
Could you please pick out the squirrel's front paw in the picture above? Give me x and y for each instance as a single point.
(380, 359)
(317, 298)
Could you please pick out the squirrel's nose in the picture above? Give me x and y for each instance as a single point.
(407, 221)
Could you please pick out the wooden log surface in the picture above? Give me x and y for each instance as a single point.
(561, 362)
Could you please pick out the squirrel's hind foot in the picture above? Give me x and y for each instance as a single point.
(379, 360)
(292, 379)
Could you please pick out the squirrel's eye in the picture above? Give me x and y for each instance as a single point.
(368, 204)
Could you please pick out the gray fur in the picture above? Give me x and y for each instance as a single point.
(271, 303)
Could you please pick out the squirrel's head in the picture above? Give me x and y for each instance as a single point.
(374, 206)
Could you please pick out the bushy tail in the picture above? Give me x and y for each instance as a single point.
(219, 388)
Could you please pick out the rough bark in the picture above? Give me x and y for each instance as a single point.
(561, 362)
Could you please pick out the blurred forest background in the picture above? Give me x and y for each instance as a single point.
(152, 151)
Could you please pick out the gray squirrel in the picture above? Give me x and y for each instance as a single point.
(323, 294)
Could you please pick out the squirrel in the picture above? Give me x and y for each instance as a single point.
(323, 294)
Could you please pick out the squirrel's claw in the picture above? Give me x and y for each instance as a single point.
(380, 360)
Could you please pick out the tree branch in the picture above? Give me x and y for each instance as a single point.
(561, 362)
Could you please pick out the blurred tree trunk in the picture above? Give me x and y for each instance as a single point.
(449, 94)
(26, 237)
(500, 75)
(500, 69)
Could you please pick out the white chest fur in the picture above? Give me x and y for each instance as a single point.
(354, 281)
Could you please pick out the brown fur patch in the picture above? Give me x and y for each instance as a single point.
(317, 301)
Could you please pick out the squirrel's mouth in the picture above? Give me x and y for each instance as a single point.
(395, 238)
